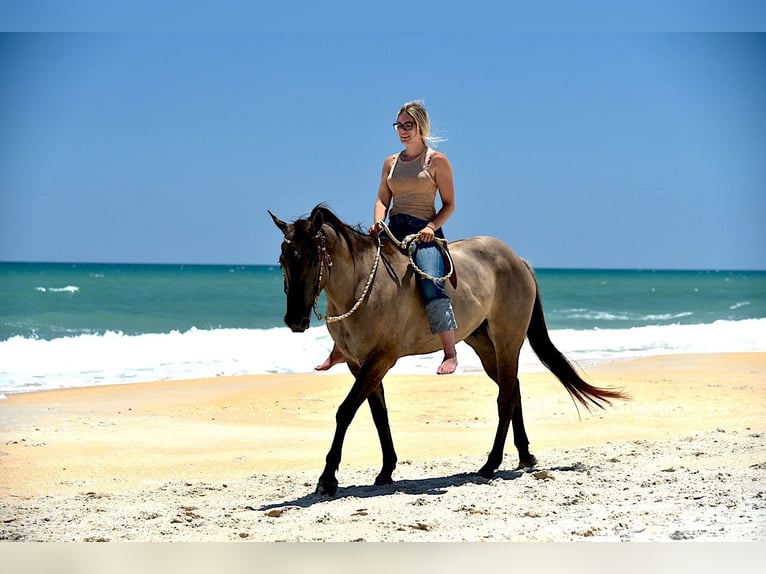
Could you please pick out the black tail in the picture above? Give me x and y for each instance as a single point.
(551, 357)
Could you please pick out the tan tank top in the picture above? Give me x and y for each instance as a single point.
(413, 187)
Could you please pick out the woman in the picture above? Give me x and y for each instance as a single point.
(411, 179)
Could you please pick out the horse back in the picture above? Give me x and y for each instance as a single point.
(494, 284)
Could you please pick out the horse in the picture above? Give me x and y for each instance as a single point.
(376, 317)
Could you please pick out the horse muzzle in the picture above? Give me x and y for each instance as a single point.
(298, 325)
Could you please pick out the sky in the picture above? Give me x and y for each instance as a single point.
(580, 149)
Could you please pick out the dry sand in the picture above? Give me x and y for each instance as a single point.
(238, 458)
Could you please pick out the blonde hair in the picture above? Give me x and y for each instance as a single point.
(417, 110)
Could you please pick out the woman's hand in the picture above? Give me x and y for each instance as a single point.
(426, 234)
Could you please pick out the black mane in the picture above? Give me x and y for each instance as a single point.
(347, 232)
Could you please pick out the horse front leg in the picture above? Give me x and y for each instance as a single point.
(377, 402)
(367, 381)
(328, 484)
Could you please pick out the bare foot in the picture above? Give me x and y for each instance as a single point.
(448, 366)
(335, 358)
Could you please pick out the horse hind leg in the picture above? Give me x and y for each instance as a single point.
(520, 440)
(482, 344)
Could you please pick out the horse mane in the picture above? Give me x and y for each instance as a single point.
(347, 232)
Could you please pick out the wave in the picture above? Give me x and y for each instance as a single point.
(29, 364)
(593, 315)
(67, 289)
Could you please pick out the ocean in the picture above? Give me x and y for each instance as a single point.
(73, 325)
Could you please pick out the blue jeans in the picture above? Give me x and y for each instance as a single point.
(429, 258)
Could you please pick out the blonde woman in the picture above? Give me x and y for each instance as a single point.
(410, 180)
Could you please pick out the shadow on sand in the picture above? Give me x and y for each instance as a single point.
(423, 486)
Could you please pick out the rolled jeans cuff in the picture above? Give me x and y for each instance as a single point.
(440, 316)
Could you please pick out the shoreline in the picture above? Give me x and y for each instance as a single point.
(581, 366)
(32, 365)
(259, 442)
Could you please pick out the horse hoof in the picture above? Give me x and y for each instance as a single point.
(487, 472)
(383, 480)
(528, 461)
(327, 487)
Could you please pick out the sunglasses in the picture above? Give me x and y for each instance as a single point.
(406, 126)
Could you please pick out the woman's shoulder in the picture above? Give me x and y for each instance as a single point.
(388, 164)
(390, 159)
(437, 158)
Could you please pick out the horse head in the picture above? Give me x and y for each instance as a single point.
(301, 263)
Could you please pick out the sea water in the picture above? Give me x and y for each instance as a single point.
(67, 325)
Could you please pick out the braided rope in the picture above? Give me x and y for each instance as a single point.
(409, 243)
(335, 318)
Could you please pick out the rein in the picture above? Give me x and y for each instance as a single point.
(408, 245)
(325, 260)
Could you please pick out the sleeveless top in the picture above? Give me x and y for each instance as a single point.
(413, 187)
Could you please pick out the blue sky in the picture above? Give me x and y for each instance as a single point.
(579, 149)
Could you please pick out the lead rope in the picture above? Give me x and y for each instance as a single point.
(409, 243)
(324, 258)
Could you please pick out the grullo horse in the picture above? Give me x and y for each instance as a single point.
(375, 316)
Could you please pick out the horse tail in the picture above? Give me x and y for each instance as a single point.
(557, 363)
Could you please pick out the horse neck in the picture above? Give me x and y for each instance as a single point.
(348, 269)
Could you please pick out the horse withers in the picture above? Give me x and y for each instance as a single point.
(375, 316)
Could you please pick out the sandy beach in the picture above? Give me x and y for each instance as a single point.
(237, 459)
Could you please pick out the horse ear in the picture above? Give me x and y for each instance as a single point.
(279, 223)
(317, 221)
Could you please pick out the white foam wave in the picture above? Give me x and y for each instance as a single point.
(67, 289)
(30, 364)
(666, 316)
(592, 315)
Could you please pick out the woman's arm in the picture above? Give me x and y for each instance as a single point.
(442, 172)
(383, 201)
